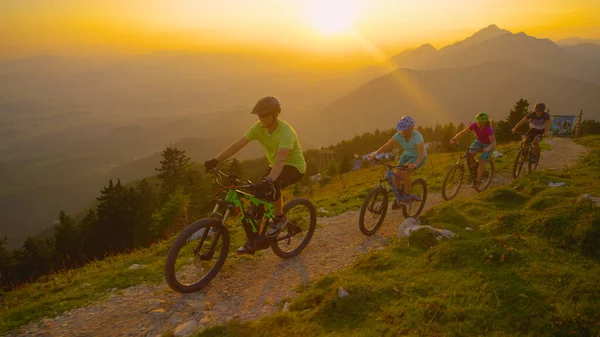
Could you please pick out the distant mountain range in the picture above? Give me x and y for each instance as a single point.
(490, 70)
(575, 41)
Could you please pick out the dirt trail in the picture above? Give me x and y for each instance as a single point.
(254, 287)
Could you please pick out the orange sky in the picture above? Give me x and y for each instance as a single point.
(335, 28)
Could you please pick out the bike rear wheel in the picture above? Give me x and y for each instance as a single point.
(414, 207)
(373, 211)
(453, 181)
(297, 232)
(197, 255)
(486, 178)
(519, 161)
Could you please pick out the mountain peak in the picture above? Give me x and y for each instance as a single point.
(489, 32)
(427, 46)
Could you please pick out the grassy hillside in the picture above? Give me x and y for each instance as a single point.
(530, 267)
(51, 296)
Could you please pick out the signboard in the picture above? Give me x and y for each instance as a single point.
(563, 125)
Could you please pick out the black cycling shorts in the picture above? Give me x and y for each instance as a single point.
(289, 175)
(532, 133)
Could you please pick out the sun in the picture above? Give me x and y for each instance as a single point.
(333, 17)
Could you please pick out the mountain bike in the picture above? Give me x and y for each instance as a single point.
(374, 208)
(525, 155)
(454, 177)
(199, 252)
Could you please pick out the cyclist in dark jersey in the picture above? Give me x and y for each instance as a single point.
(539, 125)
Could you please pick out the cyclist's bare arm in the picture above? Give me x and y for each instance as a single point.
(458, 135)
(493, 144)
(279, 162)
(524, 120)
(386, 147)
(232, 149)
(421, 149)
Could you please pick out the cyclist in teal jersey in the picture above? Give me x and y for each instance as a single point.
(414, 155)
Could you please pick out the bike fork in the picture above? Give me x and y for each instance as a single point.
(208, 255)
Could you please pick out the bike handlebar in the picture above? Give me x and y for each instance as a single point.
(379, 161)
(232, 178)
(467, 147)
(525, 135)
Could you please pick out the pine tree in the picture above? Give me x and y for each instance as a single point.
(172, 216)
(33, 260)
(346, 164)
(116, 216)
(145, 205)
(438, 132)
(173, 170)
(67, 239)
(590, 127)
(5, 262)
(448, 133)
(91, 246)
(199, 188)
(503, 130)
(332, 169)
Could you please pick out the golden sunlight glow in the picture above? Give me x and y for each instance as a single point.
(310, 29)
(333, 17)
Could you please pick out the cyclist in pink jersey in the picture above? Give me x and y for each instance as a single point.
(486, 140)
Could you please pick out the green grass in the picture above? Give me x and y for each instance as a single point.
(530, 268)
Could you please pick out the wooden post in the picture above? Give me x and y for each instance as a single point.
(578, 127)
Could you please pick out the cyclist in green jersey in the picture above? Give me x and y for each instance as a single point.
(287, 164)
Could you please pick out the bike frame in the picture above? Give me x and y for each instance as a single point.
(467, 155)
(233, 201)
(389, 177)
(527, 146)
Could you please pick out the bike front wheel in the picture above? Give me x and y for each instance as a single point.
(453, 181)
(486, 178)
(414, 207)
(373, 211)
(533, 163)
(296, 233)
(519, 161)
(197, 255)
